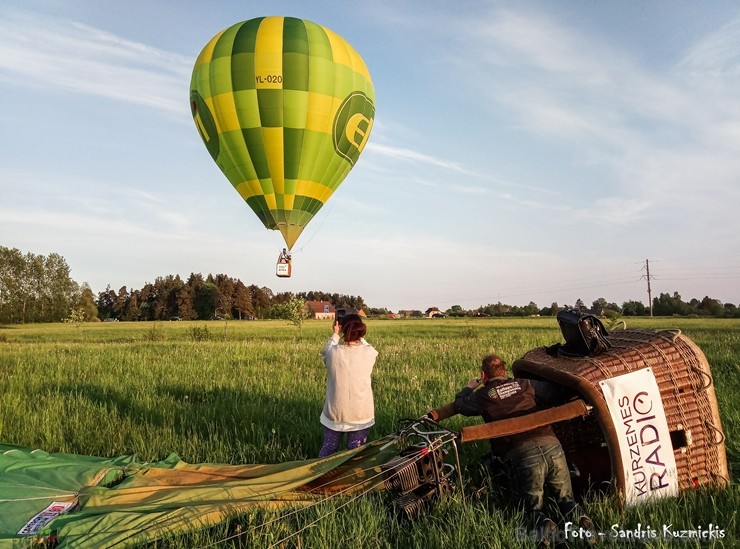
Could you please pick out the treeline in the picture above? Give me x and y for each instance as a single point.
(198, 298)
(663, 305)
(36, 288)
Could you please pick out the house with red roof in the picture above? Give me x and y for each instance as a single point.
(321, 310)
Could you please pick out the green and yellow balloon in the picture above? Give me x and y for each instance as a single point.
(284, 107)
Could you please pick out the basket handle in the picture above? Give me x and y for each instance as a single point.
(722, 437)
(709, 380)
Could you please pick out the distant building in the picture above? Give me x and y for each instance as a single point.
(321, 310)
(434, 312)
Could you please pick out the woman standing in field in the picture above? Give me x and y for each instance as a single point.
(349, 406)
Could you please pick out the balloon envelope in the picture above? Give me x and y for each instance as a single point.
(284, 107)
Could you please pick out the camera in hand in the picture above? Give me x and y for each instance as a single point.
(341, 314)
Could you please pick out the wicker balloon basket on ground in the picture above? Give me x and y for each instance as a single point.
(686, 391)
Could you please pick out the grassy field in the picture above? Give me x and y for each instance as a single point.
(251, 392)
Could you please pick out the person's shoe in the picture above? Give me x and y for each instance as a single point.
(548, 533)
(588, 526)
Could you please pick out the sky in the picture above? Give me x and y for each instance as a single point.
(521, 151)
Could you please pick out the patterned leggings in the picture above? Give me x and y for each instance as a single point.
(332, 439)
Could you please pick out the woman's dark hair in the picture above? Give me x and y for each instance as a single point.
(352, 328)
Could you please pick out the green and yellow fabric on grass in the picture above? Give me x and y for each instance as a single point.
(120, 501)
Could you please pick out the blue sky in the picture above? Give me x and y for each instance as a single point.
(521, 151)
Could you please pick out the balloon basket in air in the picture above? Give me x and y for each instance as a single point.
(283, 268)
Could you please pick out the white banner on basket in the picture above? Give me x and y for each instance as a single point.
(642, 431)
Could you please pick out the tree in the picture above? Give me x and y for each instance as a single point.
(132, 308)
(186, 303)
(293, 310)
(147, 302)
(11, 275)
(225, 285)
(121, 304)
(711, 307)
(195, 281)
(297, 312)
(62, 288)
(166, 297)
(634, 308)
(86, 304)
(76, 316)
(192, 286)
(598, 306)
(456, 311)
(206, 300)
(106, 303)
(35, 288)
(666, 305)
(241, 301)
(261, 300)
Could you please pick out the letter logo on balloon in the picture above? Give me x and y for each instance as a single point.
(352, 126)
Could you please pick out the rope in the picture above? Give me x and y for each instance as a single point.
(297, 532)
(59, 492)
(433, 446)
(328, 213)
(37, 498)
(319, 518)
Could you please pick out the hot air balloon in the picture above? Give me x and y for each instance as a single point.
(285, 107)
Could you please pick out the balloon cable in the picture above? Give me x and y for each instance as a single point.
(328, 213)
(370, 484)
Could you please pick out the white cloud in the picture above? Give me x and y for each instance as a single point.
(416, 158)
(408, 154)
(717, 55)
(659, 136)
(38, 51)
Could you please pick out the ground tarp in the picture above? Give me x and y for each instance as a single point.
(94, 502)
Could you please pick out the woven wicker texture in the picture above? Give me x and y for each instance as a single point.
(684, 378)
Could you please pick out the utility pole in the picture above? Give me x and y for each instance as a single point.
(650, 294)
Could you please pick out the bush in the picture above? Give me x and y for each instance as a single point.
(199, 334)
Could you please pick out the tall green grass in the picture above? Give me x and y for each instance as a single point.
(252, 392)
